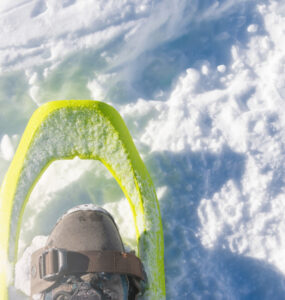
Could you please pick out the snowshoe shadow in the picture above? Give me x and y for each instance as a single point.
(245, 277)
(192, 271)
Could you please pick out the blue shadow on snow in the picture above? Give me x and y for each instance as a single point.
(193, 272)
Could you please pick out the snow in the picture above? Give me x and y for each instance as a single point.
(22, 271)
(252, 28)
(200, 85)
(7, 149)
(221, 68)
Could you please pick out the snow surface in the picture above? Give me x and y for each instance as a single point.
(201, 86)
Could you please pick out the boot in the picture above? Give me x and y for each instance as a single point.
(84, 259)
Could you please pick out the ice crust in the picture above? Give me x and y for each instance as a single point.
(201, 86)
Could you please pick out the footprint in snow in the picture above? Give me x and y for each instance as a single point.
(39, 8)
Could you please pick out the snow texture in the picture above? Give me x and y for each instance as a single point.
(201, 86)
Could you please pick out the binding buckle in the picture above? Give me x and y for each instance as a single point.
(53, 263)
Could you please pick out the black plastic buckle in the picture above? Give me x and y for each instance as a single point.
(59, 263)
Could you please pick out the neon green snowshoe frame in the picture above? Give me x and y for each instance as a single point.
(90, 130)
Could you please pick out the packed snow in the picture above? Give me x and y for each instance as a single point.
(201, 86)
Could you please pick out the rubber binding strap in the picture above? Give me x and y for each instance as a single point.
(48, 265)
(57, 264)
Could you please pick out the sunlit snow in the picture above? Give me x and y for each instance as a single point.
(201, 86)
